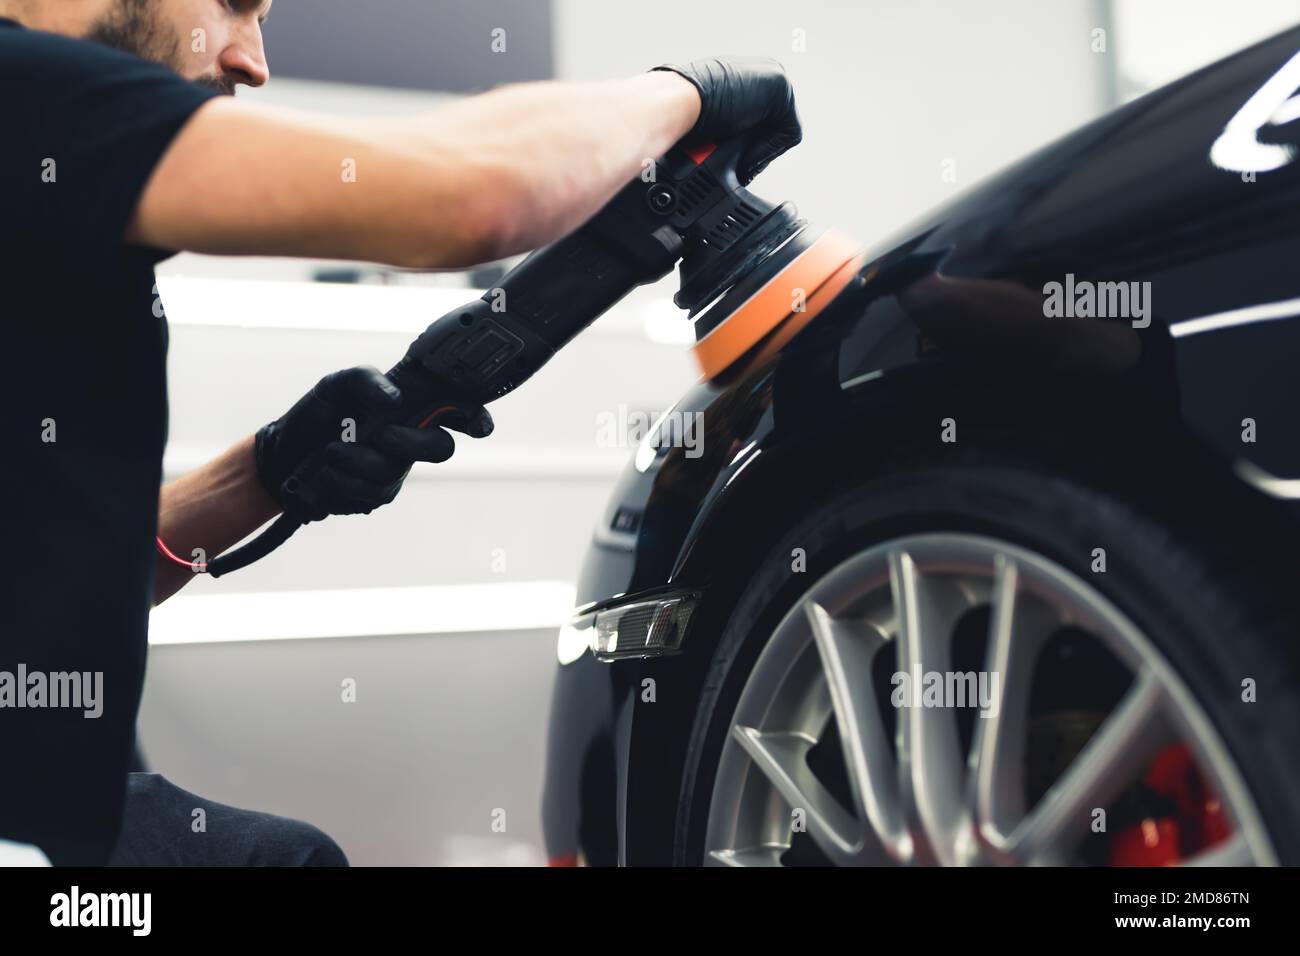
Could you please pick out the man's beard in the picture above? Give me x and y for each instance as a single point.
(134, 26)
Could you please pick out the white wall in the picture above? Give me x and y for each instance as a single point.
(887, 89)
(1161, 40)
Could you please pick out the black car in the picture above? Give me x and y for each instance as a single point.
(995, 560)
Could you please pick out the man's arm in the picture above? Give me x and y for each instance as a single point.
(224, 501)
(211, 508)
(486, 177)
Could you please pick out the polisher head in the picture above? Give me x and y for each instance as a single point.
(782, 291)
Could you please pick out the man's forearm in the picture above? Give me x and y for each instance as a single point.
(486, 177)
(566, 148)
(211, 509)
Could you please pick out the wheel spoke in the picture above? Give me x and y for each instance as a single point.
(1018, 626)
(846, 654)
(930, 763)
(781, 757)
(749, 856)
(1108, 763)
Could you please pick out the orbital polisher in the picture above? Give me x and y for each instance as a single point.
(751, 272)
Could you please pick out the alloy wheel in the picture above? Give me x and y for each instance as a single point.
(931, 792)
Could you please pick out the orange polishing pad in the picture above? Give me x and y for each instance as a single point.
(813, 278)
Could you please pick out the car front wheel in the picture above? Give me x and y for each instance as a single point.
(976, 664)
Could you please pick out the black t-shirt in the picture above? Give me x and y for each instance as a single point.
(83, 421)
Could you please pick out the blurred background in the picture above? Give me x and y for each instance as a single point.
(442, 608)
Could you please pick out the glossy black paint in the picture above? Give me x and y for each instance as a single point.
(948, 320)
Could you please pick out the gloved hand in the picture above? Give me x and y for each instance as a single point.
(328, 475)
(739, 94)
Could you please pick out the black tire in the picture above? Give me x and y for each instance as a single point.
(1219, 613)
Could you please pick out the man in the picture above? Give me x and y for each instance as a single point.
(109, 163)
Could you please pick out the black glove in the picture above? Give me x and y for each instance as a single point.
(327, 475)
(739, 94)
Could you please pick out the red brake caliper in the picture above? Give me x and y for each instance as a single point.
(1200, 820)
